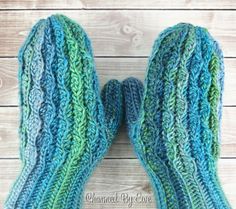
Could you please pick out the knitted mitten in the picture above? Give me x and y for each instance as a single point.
(175, 124)
(65, 130)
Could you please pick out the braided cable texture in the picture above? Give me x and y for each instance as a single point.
(174, 120)
(66, 128)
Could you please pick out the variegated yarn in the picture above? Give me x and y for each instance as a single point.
(175, 124)
(65, 130)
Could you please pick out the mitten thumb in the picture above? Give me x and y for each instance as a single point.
(112, 101)
(133, 95)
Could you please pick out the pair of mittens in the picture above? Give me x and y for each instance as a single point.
(65, 126)
(174, 120)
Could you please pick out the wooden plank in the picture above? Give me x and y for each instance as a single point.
(121, 4)
(122, 32)
(8, 82)
(107, 68)
(120, 176)
(121, 148)
(163, 4)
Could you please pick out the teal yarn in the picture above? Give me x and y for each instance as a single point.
(66, 127)
(174, 120)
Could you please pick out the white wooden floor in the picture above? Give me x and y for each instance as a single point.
(127, 29)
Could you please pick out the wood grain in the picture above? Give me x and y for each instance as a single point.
(107, 68)
(124, 33)
(121, 147)
(114, 4)
(8, 82)
(120, 176)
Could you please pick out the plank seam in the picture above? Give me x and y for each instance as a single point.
(117, 9)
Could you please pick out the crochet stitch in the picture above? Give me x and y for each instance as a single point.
(65, 127)
(174, 120)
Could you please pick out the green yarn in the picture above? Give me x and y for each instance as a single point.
(65, 128)
(174, 124)
(214, 98)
